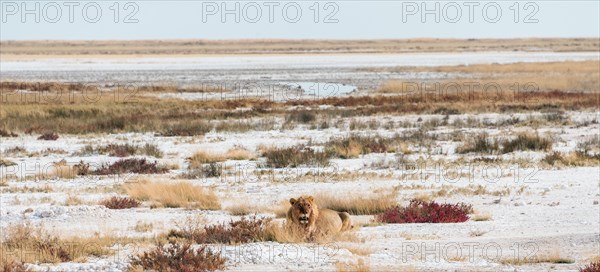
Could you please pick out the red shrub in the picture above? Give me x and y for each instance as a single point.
(592, 267)
(48, 136)
(120, 203)
(138, 166)
(426, 212)
(178, 258)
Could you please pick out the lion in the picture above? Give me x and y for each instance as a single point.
(306, 216)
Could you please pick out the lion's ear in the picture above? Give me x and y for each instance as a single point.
(310, 198)
(292, 201)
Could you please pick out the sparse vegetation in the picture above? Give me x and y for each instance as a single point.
(120, 203)
(122, 150)
(48, 136)
(303, 117)
(353, 146)
(192, 128)
(483, 144)
(554, 258)
(526, 142)
(480, 144)
(295, 156)
(182, 118)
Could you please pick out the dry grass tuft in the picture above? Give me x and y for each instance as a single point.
(577, 158)
(481, 217)
(239, 153)
(552, 257)
(120, 203)
(295, 156)
(359, 266)
(5, 162)
(526, 141)
(357, 204)
(73, 201)
(13, 266)
(174, 195)
(143, 227)
(202, 157)
(360, 250)
(57, 170)
(480, 144)
(353, 146)
(46, 248)
(242, 209)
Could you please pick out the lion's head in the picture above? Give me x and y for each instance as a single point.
(304, 210)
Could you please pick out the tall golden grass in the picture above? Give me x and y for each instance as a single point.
(357, 203)
(61, 171)
(236, 153)
(179, 194)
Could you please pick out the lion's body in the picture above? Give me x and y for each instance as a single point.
(318, 221)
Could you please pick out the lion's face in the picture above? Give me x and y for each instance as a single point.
(303, 209)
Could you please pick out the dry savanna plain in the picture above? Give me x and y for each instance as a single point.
(448, 155)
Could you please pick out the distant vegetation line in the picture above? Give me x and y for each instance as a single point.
(193, 47)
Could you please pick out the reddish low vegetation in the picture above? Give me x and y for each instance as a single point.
(245, 230)
(138, 166)
(178, 258)
(419, 211)
(120, 203)
(592, 267)
(48, 136)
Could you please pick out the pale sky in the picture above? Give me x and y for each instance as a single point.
(80, 20)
